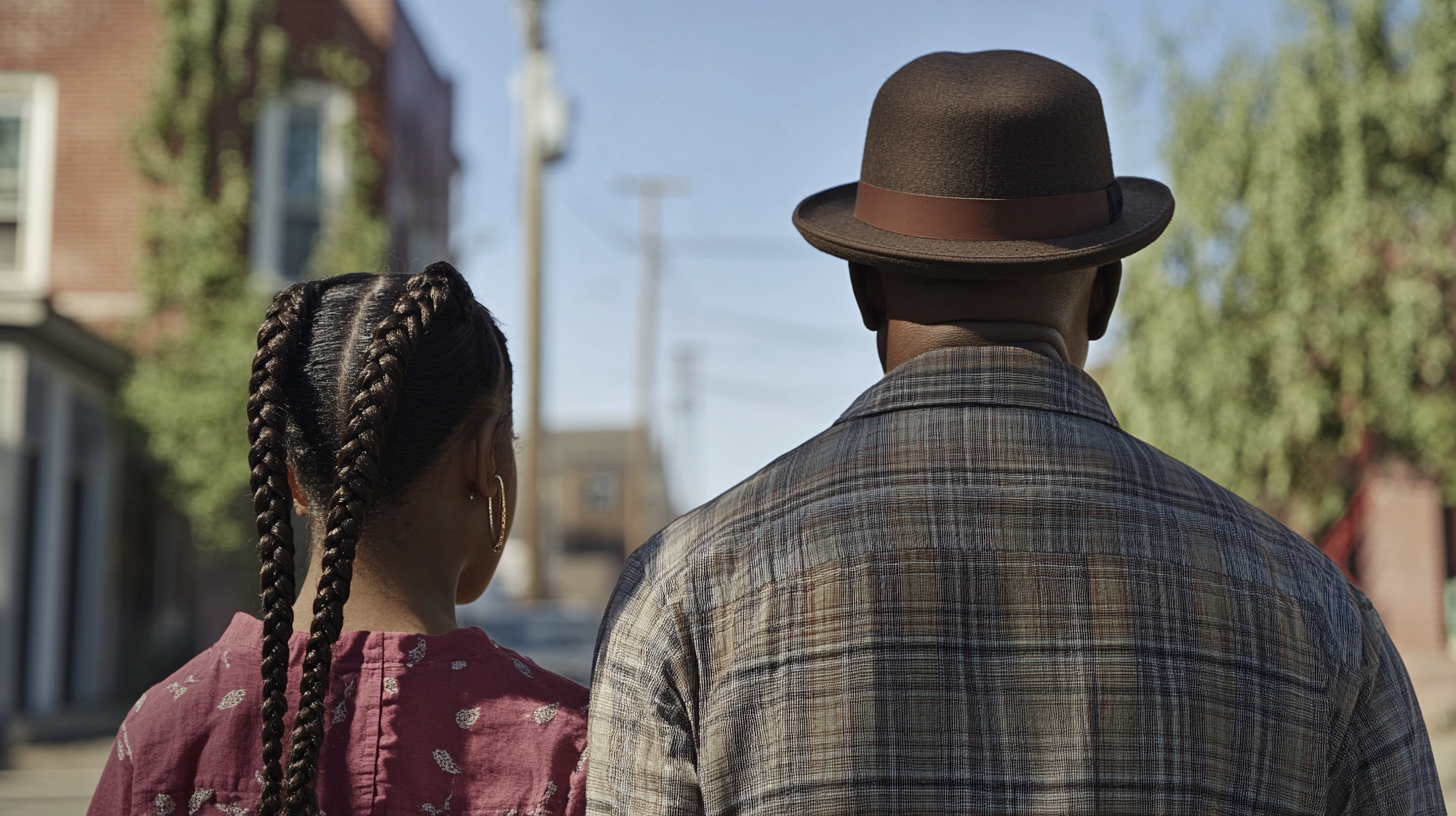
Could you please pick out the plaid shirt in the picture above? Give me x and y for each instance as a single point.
(975, 594)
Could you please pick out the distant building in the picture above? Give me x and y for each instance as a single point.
(96, 572)
(1398, 544)
(584, 497)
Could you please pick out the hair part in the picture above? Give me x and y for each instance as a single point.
(323, 402)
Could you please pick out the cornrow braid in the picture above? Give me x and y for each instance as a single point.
(279, 340)
(436, 295)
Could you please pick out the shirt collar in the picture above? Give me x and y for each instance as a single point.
(1000, 376)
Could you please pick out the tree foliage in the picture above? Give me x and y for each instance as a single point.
(1302, 300)
(219, 61)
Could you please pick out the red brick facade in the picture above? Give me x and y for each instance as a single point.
(101, 55)
(103, 58)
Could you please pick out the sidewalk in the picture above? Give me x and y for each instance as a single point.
(52, 779)
(1434, 679)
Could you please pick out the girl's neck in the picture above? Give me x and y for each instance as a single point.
(393, 590)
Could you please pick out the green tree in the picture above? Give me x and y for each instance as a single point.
(220, 59)
(1302, 301)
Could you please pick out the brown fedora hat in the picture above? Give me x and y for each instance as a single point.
(986, 165)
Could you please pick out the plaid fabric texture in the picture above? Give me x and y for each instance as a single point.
(975, 594)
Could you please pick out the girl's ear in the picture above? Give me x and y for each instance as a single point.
(300, 499)
(482, 463)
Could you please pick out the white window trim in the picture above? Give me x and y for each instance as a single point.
(37, 93)
(265, 245)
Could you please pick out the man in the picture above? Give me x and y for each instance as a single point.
(974, 593)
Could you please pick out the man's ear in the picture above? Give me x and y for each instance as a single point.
(1104, 296)
(869, 293)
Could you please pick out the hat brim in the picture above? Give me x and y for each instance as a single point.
(826, 220)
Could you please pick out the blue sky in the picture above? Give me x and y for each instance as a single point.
(756, 104)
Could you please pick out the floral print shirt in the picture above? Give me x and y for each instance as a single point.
(416, 724)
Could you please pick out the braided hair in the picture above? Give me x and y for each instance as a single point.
(337, 360)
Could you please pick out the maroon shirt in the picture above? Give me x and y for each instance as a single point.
(450, 723)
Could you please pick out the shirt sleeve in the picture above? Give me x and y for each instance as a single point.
(113, 791)
(642, 732)
(1381, 760)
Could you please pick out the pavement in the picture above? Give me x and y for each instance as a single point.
(1443, 744)
(52, 779)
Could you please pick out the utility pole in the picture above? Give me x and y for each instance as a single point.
(685, 365)
(542, 133)
(650, 191)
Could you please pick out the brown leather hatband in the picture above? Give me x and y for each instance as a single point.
(986, 219)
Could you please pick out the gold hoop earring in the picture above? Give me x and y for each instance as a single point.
(490, 512)
(501, 541)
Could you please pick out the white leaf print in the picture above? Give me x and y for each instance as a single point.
(126, 740)
(581, 760)
(258, 775)
(340, 712)
(119, 755)
(545, 713)
(231, 699)
(391, 685)
(466, 717)
(164, 804)
(232, 810)
(349, 687)
(546, 799)
(140, 700)
(436, 811)
(445, 762)
(458, 665)
(521, 667)
(225, 662)
(416, 654)
(199, 796)
(177, 690)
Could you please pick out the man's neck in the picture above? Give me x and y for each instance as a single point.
(903, 340)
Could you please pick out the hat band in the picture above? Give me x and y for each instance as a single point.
(987, 219)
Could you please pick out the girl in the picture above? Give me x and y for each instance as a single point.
(380, 408)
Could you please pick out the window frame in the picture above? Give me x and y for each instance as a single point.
(266, 243)
(36, 96)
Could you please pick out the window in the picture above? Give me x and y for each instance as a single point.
(603, 491)
(27, 162)
(301, 201)
(11, 206)
(300, 174)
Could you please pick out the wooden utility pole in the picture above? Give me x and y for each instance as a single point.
(650, 191)
(543, 133)
(685, 361)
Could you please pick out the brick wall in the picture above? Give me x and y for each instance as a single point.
(101, 55)
(420, 123)
(1401, 561)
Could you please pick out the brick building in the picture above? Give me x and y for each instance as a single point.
(1398, 544)
(586, 531)
(98, 580)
